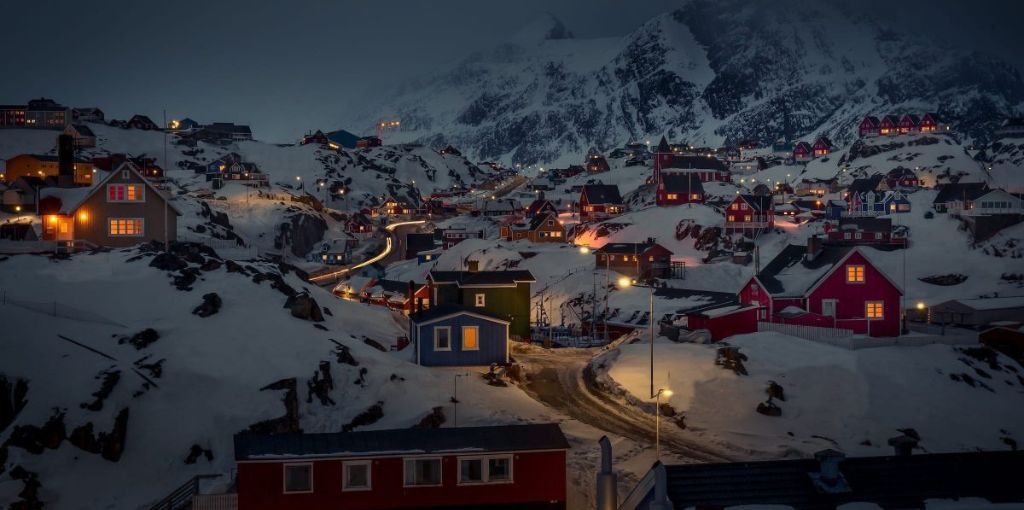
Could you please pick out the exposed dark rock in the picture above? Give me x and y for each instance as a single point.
(327, 311)
(289, 423)
(768, 408)
(362, 376)
(944, 280)
(168, 262)
(775, 391)
(276, 282)
(731, 358)
(155, 369)
(12, 399)
(375, 344)
(35, 439)
(302, 233)
(210, 265)
(185, 278)
(367, 417)
(211, 305)
(197, 451)
(344, 354)
(321, 385)
(396, 377)
(305, 307)
(235, 267)
(110, 445)
(434, 420)
(110, 380)
(141, 339)
(29, 493)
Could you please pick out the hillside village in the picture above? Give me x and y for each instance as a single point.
(170, 289)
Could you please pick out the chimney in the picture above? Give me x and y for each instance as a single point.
(903, 446)
(411, 294)
(472, 266)
(814, 248)
(607, 488)
(65, 161)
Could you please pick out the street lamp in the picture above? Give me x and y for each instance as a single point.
(584, 250)
(657, 420)
(626, 282)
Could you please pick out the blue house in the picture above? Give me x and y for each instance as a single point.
(834, 209)
(343, 138)
(456, 336)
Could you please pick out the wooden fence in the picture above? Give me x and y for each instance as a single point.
(805, 332)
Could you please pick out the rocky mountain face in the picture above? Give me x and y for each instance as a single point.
(712, 72)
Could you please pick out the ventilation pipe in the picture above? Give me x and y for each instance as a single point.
(660, 501)
(607, 485)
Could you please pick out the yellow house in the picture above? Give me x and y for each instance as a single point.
(39, 165)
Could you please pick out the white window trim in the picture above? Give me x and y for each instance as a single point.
(142, 231)
(369, 475)
(462, 341)
(835, 307)
(449, 330)
(485, 470)
(480, 300)
(405, 464)
(284, 477)
(142, 193)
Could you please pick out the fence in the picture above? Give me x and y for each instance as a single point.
(56, 309)
(806, 332)
(845, 338)
(215, 502)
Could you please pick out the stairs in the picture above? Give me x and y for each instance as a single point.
(181, 498)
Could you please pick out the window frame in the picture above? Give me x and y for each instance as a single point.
(447, 329)
(344, 475)
(284, 477)
(462, 343)
(855, 280)
(141, 232)
(480, 300)
(868, 308)
(405, 467)
(485, 469)
(141, 190)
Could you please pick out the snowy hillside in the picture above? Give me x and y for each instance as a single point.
(955, 398)
(708, 74)
(199, 380)
(1005, 161)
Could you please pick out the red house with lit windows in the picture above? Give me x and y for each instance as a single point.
(600, 201)
(930, 123)
(826, 286)
(889, 125)
(499, 467)
(703, 168)
(750, 214)
(909, 123)
(822, 146)
(678, 189)
(802, 151)
(869, 126)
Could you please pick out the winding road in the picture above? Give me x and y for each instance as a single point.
(394, 250)
(560, 379)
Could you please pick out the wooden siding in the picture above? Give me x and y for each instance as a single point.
(492, 343)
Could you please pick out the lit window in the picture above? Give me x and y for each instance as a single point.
(125, 226)
(672, 196)
(356, 476)
(746, 218)
(422, 472)
(732, 218)
(298, 478)
(873, 309)
(125, 193)
(695, 196)
(442, 338)
(480, 300)
(470, 338)
(854, 274)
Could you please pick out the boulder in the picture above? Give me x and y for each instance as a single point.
(197, 451)
(305, 307)
(168, 262)
(368, 417)
(211, 305)
(768, 408)
(142, 339)
(434, 420)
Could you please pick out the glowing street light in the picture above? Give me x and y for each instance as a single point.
(584, 250)
(657, 420)
(920, 305)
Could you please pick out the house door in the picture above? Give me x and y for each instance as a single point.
(65, 228)
(828, 307)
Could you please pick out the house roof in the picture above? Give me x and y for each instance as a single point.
(343, 138)
(229, 127)
(537, 205)
(538, 219)
(416, 242)
(996, 303)
(913, 118)
(803, 146)
(628, 248)
(602, 193)
(141, 118)
(696, 301)
(437, 313)
(83, 130)
(872, 119)
(690, 162)
(482, 278)
(498, 438)
(901, 171)
(887, 481)
(960, 191)
(867, 224)
(663, 145)
(790, 274)
(823, 140)
(72, 198)
(682, 183)
(759, 203)
(865, 184)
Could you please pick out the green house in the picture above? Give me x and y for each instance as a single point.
(504, 294)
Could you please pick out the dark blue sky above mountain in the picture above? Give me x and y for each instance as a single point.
(286, 67)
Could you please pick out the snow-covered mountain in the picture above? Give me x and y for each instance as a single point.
(709, 73)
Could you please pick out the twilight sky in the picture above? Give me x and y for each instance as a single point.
(286, 67)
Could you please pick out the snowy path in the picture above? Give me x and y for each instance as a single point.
(558, 379)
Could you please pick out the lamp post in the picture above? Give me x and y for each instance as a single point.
(657, 420)
(626, 282)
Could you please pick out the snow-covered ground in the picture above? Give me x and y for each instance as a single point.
(851, 400)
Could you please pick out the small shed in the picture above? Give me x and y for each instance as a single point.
(451, 335)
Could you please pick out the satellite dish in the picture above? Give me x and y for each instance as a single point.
(325, 247)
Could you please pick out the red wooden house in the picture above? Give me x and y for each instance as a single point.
(638, 260)
(826, 286)
(750, 214)
(865, 231)
(802, 151)
(600, 201)
(724, 321)
(318, 138)
(889, 125)
(359, 223)
(822, 146)
(455, 235)
(909, 123)
(902, 178)
(677, 189)
(504, 466)
(705, 168)
(368, 141)
(930, 123)
(868, 127)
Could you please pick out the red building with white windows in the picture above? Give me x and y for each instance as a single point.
(909, 123)
(496, 467)
(600, 201)
(678, 189)
(889, 125)
(826, 286)
(802, 151)
(702, 168)
(750, 214)
(822, 147)
(868, 127)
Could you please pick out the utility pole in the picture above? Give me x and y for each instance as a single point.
(167, 242)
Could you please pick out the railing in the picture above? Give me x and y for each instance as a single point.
(864, 214)
(215, 502)
(806, 332)
(737, 225)
(987, 211)
(182, 496)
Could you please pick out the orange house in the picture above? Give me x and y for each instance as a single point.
(39, 165)
(124, 209)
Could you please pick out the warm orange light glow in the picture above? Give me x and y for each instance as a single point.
(624, 282)
(83, 216)
(52, 219)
